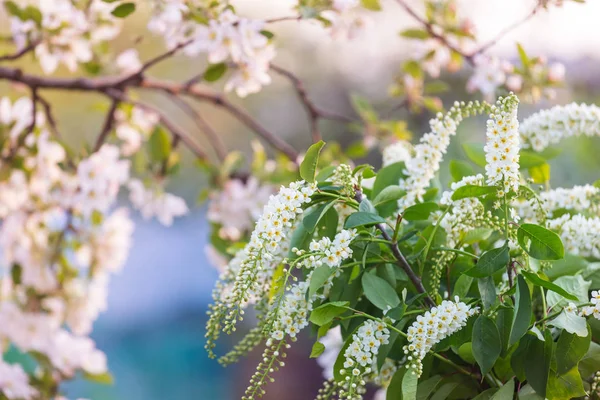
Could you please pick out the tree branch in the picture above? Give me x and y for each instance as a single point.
(108, 124)
(193, 146)
(314, 113)
(400, 259)
(212, 136)
(118, 83)
(49, 116)
(20, 53)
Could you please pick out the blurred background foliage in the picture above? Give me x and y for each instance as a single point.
(153, 332)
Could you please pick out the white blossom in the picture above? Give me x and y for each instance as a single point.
(14, 382)
(502, 145)
(434, 326)
(548, 127)
(400, 151)
(155, 202)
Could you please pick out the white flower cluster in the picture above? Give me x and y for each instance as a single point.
(227, 37)
(346, 19)
(17, 117)
(14, 382)
(292, 314)
(360, 356)
(580, 235)
(594, 309)
(502, 145)
(548, 127)
(237, 206)
(434, 326)
(68, 31)
(156, 202)
(492, 72)
(400, 151)
(428, 154)
(249, 273)
(583, 199)
(134, 127)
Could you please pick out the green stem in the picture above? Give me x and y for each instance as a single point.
(464, 253)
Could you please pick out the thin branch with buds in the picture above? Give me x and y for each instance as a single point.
(15, 56)
(108, 125)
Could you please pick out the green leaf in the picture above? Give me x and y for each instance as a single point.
(312, 217)
(529, 159)
(504, 318)
(403, 385)
(486, 343)
(372, 5)
(379, 292)
(540, 243)
(319, 276)
(301, 239)
(588, 365)
(389, 194)
(367, 207)
(13, 9)
(537, 365)
(123, 10)
(565, 386)
(214, 72)
(267, 34)
(522, 315)
(444, 391)
(487, 291)
(536, 280)
(387, 176)
(575, 285)
(523, 56)
(462, 286)
(328, 311)
(104, 379)
(362, 219)
(460, 169)
(415, 34)
(570, 322)
(419, 212)
(486, 394)
(317, 349)
(490, 262)
(475, 153)
(159, 145)
(540, 173)
(426, 388)
(465, 351)
(472, 191)
(570, 348)
(506, 392)
(476, 235)
(308, 167)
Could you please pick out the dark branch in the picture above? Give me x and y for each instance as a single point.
(20, 53)
(400, 259)
(193, 146)
(213, 137)
(108, 125)
(314, 113)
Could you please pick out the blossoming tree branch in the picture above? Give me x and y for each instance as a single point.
(486, 289)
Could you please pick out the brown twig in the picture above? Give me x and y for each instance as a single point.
(20, 53)
(314, 113)
(193, 146)
(400, 259)
(49, 116)
(470, 57)
(213, 137)
(538, 6)
(105, 84)
(108, 125)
